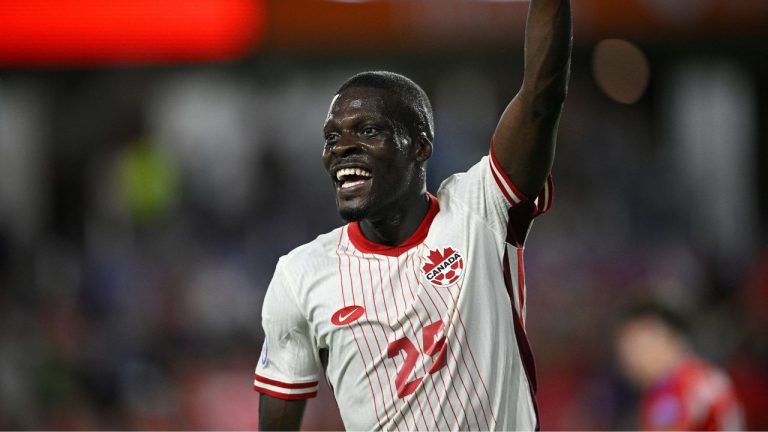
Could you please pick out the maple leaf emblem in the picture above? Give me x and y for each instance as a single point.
(435, 258)
(444, 268)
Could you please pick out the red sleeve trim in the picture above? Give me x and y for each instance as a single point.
(266, 380)
(285, 396)
(512, 193)
(506, 185)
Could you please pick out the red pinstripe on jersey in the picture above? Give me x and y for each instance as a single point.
(376, 311)
(472, 357)
(378, 346)
(431, 320)
(365, 339)
(354, 333)
(454, 306)
(397, 317)
(400, 321)
(451, 350)
(450, 346)
(414, 331)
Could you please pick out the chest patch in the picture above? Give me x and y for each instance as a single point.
(444, 267)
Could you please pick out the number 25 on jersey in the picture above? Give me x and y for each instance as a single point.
(433, 346)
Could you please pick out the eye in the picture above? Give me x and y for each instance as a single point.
(331, 138)
(370, 131)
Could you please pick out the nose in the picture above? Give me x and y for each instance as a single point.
(345, 146)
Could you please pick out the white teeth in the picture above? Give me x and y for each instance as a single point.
(344, 172)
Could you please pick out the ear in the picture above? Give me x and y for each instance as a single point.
(423, 147)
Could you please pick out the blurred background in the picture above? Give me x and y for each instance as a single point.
(156, 158)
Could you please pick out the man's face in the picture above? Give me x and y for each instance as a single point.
(642, 346)
(368, 153)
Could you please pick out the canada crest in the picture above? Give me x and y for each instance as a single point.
(443, 268)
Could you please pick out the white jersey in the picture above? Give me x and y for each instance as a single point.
(426, 335)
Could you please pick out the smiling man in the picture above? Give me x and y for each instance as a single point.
(415, 309)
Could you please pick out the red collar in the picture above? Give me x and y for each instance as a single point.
(366, 246)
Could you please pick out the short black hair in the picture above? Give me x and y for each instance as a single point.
(669, 317)
(416, 108)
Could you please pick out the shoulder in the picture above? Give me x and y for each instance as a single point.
(463, 188)
(455, 180)
(306, 274)
(312, 256)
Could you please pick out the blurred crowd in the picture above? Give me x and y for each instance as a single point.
(142, 211)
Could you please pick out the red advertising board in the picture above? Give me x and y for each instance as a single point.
(63, 32)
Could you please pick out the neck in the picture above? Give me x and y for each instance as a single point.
(397, 225)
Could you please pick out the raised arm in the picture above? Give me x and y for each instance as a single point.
(524, 141)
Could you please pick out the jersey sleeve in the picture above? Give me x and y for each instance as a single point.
(289, 364)
(487, 191)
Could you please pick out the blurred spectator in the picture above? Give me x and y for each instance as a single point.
(680, 390)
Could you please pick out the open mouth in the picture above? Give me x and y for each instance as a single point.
(348, 178)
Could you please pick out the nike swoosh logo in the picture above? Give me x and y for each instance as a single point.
(347, 315)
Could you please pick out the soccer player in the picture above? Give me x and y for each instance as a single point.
(681, 391)
(415, 309)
